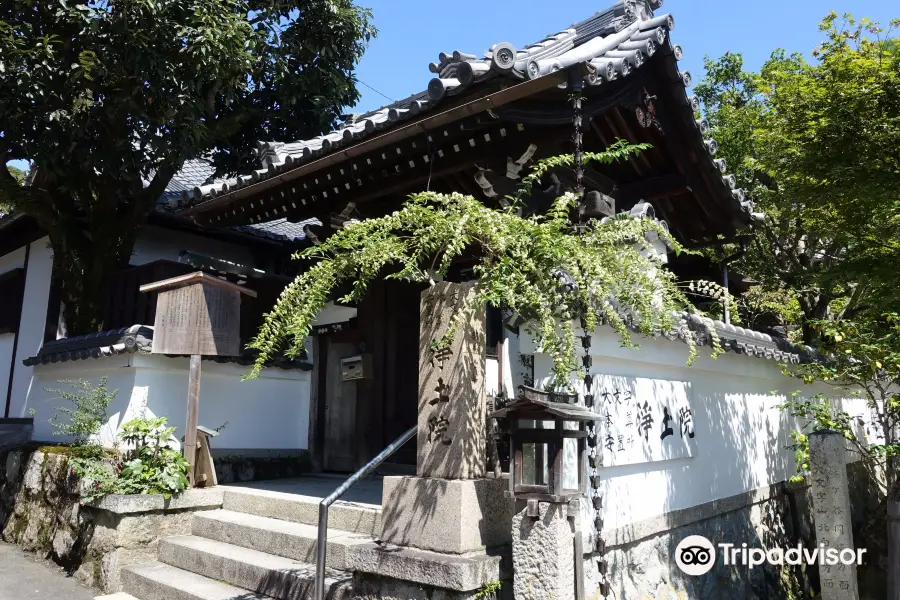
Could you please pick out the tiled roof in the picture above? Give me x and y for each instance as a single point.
(610, 45)
(196, 173)
(746, 341)
(129, 340)
(279, 229)
(137, 338)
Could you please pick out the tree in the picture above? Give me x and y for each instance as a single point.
(815, 146)
(19, 176)
(110, 97)
(542, 267)
(17, 173)
(860, 359)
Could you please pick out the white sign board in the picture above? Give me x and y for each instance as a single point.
(644, 420)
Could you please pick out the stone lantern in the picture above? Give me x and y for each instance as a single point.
(560, 409)
(546, 529)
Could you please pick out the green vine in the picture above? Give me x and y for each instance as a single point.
(538, 266)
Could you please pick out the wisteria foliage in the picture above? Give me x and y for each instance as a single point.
(542, 267)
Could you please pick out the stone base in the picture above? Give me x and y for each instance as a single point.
(544, 554)
(375, 587)
(446, 515)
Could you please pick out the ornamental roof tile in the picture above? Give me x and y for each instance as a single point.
(196, 173)
(128, 340)
(610, 45)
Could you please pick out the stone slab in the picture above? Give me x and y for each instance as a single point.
(347, 516)
(452, 422)
(250, 569)
(374, 587)
(459, 573)
(116, 596)
(138, 503)
(442, 515)
(156, 581)
(544, 554)
(281, 538)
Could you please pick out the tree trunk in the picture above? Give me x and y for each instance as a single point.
(815, 308)
(84, 264)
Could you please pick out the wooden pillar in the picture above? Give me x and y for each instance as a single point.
(193, 408)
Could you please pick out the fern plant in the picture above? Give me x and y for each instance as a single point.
(542, 267)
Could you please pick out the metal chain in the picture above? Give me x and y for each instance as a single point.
(576, 84)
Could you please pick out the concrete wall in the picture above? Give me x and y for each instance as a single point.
(741, 436)
(730, 488)
(271, 412)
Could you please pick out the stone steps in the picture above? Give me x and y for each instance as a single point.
(296, 541)
(354, 517)
(158, 581)
(281, 578)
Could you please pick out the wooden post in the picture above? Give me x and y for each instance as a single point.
(199, 315)
(193, 407)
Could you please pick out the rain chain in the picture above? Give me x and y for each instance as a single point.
(595, 459)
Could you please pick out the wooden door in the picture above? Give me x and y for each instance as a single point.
(340, 411)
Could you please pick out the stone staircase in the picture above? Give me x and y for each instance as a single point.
(259, 545)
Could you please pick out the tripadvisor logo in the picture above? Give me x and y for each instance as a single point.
(695, 555)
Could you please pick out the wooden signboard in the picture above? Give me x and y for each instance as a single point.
(200, 315)
(197, 314)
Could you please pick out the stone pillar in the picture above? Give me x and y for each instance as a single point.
(831, 511)
(451, 506)
(452, 439)
(543, 554)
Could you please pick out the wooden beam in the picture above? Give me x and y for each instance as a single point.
(622, 123)
(429, 123)
(649, 189)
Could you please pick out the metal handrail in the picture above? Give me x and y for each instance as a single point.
(322, 539)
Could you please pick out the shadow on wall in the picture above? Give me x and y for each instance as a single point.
(743, 445)
(741, 448)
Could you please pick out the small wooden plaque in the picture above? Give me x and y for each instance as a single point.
(197, 314)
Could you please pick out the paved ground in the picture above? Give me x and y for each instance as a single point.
(367, 491)
(24, 578)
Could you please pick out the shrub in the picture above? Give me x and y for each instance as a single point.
(83, 421)
(150, 465)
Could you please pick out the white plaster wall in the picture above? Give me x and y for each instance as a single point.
(741, 435)
(43, 400)
(271, 412)
(8, 262)
(155, 243)
(334, 313)
(31, 326)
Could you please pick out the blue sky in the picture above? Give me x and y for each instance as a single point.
(413, 32)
